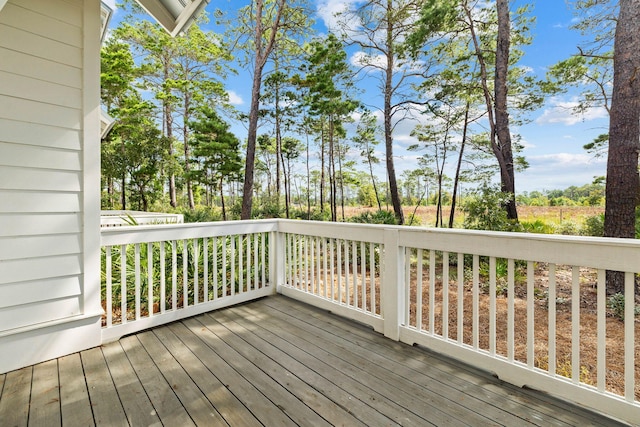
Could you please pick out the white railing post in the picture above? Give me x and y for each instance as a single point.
(276, 260)
(393, 284)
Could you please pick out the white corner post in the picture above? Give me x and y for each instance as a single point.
(392, 284)
(276, 259)
(91, 159)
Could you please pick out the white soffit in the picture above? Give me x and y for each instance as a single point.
(2, 3)
(174, 15)
(105, 17)
(106, 123)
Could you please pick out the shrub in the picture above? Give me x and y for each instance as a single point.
(537, 226)
(376, 217)
(568, 228)
(593, 226)
(616, 303)
(485, 211)
(202, 214)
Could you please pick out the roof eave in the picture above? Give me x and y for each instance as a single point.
(172, 22)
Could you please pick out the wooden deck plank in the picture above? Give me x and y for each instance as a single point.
(473, 384)
(135, 402)
(308, 395)
(231, 409)
(168, 407)
(105, 403)
(532, 406)
(256, 402)
(280, 395)
(45, 395)
(331, 383)
(198, 407)
(375, 373)
(75, 406)
(270, 362)
(369, 406)
(16, 394)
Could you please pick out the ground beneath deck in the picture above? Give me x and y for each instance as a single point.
(272, 362)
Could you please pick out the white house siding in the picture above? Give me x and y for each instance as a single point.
(49, 167)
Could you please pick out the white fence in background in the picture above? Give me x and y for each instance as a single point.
(519, 305)
(126, 218)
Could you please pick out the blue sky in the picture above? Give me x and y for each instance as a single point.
(553, 138)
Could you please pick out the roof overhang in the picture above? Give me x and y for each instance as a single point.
(105, 17)
(106, 123)
(174, 15)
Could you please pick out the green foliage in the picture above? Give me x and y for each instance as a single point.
(537, 226)
(202, 214)
(216, 151)
(593, 226)
(568, 228)
(376, 217)
(484, 210)
(598, 147)
(316, 215)
(227, 275)
(502, 274)
(268, 209)
(616, 303)
(435, 16)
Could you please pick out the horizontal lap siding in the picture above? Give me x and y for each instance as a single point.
(41, 171)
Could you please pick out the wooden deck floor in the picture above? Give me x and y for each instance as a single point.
(272, 362)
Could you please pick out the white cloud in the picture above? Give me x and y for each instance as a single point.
(559, 170)
(234, 98)
(566, 159)
(329, 12)
(563, 111)
(361, 59)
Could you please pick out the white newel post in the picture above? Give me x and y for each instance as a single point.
(392, 284)
(276, 260)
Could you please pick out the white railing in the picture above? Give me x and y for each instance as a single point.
(519, 305)
(171, 272)
(530, 308)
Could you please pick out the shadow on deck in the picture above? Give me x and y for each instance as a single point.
(271, 362)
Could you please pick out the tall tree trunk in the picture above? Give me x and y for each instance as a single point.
(623, 185)
(247, 189)
(308, 179)
(373, 179)
(110, 192)
(262, 54)
(332, 174)
(341, 179)
(499, 135)
(388, 127)
(507, 172)
(279, 161)
(322, 165)
(167, 123)
(224, 210)
(456, 180)
(286, 179)
(123, 196)
(187, 151)
(143, 198)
